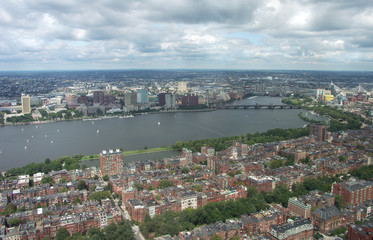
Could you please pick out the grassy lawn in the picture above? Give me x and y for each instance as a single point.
(131, 152)
(149, 150)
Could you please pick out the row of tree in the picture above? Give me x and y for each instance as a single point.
(222, 143)
(66, 162)
(173, 222)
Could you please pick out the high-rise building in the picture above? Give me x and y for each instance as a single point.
(319, 131)
(26, 104)
(111, 162)
(182, 87)
(142, 96)
(162, 99)
(98, 97)
(189, 100)
(170, 100)
(72, 99)
(127, 98)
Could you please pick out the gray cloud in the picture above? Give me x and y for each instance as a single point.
(310, 34)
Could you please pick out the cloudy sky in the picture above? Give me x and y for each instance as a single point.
(168, 34)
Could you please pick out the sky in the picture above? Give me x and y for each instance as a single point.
(186, 34)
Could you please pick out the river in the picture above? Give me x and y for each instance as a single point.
(20, 145)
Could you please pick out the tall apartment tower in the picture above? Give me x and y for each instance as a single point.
(182, 87)
(26, 104)
(111, 162)
(319, 131)
(128, 98)
(142, 96)
(170, 100)
(99, 97)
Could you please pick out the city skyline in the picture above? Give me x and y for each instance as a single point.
(157, 34)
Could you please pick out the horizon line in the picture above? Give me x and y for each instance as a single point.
(181, 69)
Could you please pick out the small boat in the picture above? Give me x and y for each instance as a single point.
(32, 136)
(45, 135)
(27, 140)
(25, 147)
(23, 129)
(52, 142)
(58, 130)
(98, 130)
(159, 123)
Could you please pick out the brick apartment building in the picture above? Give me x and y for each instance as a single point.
(299, 209)
(363, 231)
(354, 192)
(319, 131)
(111, 162)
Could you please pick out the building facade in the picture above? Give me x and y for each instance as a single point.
(98, 97)
(299, 209)
(26, 104)
(318, 131)
(111, 162)
(354, 192)
(142, 96)
(299, 229)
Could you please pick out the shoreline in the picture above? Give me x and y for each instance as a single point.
(104, 117)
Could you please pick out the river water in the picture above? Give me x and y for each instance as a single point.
(20, 145)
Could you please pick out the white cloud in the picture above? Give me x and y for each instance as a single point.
(185, 34)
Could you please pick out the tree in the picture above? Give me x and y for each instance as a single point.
(165, 184)
(342, 158)
(105, 178)
(48, 179)
(185, 170)
(62, 233)
(82, 185)
(77, 201)
(216, 237)
(63, 189)
(138, 186)
(339, 201)
(92, 188)
(14, 222)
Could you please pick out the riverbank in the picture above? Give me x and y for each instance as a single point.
(131, 152)
(105, 117)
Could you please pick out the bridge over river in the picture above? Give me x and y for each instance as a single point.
(257, 106)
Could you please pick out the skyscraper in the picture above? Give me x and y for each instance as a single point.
(26, 104)
(162, 99)
(319, 131)
(98, 97)
(128, 98)
(182, 87)
(170, 100)
(142, 96)
(111, 162)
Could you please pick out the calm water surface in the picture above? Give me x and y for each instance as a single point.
(20, 145)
